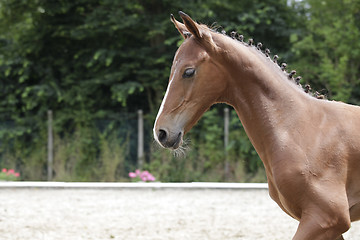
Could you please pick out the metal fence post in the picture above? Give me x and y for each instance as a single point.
(140, 139)
(50, 146)
(226, 142)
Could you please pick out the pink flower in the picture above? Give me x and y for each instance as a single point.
(143, 175)
(17, 174)
(146, 176)
(4, 170)
(151, 178)
(11, 171)
(132, 174)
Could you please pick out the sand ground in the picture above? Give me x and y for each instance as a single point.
(96, 214)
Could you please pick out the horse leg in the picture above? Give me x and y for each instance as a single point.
(310, 228)
(317, 224)
(340, 238)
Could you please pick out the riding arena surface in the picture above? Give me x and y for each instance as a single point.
(144, 213)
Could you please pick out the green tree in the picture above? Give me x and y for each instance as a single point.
(327, 53)
(96, 61)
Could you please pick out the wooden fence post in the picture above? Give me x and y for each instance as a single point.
(140, 139)
(50, 146)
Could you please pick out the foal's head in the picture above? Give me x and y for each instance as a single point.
(196, 82)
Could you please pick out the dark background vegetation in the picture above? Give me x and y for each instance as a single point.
(94, 63)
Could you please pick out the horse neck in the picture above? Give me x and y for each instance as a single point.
(264, 99)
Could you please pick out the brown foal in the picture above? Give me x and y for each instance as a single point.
(310, 147)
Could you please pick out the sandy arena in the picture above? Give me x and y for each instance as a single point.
(95, 214)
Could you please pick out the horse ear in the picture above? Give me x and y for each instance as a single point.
(190, 25)
(180, 27)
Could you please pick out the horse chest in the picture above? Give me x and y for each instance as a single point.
(288, 202)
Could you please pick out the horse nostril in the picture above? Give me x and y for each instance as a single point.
(162, 135)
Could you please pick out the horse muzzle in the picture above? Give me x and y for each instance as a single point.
(169, 139)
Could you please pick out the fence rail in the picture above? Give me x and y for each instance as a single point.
(136, 185)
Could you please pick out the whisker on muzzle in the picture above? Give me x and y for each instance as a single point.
(180, 152)
(183, 149)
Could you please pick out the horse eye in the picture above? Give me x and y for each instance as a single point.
(189, 73)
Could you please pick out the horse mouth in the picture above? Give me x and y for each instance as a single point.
(177, 142)
(170, 141)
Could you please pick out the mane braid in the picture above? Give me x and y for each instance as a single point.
(267, 52)
(240, 38)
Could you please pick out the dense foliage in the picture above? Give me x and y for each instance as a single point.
(94, 63)
(328, 50)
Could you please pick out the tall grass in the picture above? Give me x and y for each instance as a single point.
(89, 155)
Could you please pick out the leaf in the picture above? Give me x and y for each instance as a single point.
(7, 72)
(108, 61)
(98, 54)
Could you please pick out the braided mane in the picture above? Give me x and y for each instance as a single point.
(290, 75)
